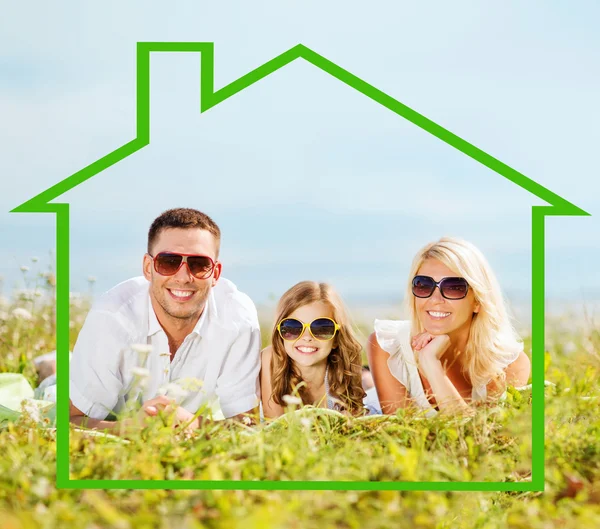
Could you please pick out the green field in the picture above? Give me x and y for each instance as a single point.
(495, 445)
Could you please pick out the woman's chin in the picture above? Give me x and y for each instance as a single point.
(436, 328)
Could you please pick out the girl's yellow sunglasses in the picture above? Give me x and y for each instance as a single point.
(322, 329)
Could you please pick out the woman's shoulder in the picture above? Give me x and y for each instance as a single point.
(392, 334)
(391, 326)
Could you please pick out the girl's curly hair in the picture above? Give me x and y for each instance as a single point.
(344, 361)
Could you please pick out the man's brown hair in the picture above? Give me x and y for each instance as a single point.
(186, 218)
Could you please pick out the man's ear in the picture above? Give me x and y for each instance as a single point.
(147, 267)
(216, 273)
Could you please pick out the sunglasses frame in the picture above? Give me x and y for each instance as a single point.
(184, 260)
(439, 285)
(305, 325)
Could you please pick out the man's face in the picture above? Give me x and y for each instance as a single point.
(181, 296)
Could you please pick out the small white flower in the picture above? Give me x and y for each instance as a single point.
(28, 407)
(142, 348)
(25, 294)
(173, 391)
(190, 384)
(22, 314)
(291, 400)
(306, 422)
(35, 259)
(24, 268)
(140, 372)
(92, 279)
(4, 316)
(247, 421)
(42, 488)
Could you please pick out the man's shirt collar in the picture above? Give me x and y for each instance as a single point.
(210, 309)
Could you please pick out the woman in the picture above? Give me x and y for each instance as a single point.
(313, 350)
(458, 345)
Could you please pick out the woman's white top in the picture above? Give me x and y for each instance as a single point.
(393, 336)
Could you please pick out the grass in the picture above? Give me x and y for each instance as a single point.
(495, 445)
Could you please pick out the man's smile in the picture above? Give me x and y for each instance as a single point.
(181, 294)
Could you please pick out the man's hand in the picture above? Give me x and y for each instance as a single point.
(249, 418)
(185, 419)
(182, 417)
(151, 407)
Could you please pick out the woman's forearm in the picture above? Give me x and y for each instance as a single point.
(446, 395)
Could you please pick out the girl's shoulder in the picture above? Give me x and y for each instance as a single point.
(392, 334)
(266, 353)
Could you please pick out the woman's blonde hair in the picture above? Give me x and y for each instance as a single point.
(344, 361)
(492, 340)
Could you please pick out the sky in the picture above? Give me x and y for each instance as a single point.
(307, 178)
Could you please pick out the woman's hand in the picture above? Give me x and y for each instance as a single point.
(428, 352)
(429, 347)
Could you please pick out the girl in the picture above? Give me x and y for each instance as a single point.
(313, 349)
(458, 345)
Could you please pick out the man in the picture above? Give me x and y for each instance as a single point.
(179, 326)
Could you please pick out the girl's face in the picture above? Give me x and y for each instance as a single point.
(307, 351)
(439, 315)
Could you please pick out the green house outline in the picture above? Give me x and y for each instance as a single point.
(209, 98)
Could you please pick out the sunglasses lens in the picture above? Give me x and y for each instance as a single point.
(423, 286)
(290, 329)
(200, 266)
(322, 329)
(454, 287)
(167, 264)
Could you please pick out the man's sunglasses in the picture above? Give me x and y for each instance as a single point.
(169, 263)
(450, 287)
(322, 329)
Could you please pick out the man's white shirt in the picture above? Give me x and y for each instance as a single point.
(221, 354)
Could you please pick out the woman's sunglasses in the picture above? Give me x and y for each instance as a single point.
(169, 263)
(322, 329)
(450, 287)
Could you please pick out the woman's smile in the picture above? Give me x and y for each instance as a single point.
(438, 315)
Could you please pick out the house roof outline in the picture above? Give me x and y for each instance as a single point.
(210, 98)
(42, 203)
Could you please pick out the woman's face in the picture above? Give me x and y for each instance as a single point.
(306, 350)
(439, 315)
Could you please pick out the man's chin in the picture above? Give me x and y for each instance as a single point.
(182, 313)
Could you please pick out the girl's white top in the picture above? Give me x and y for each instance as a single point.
(393, 336)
